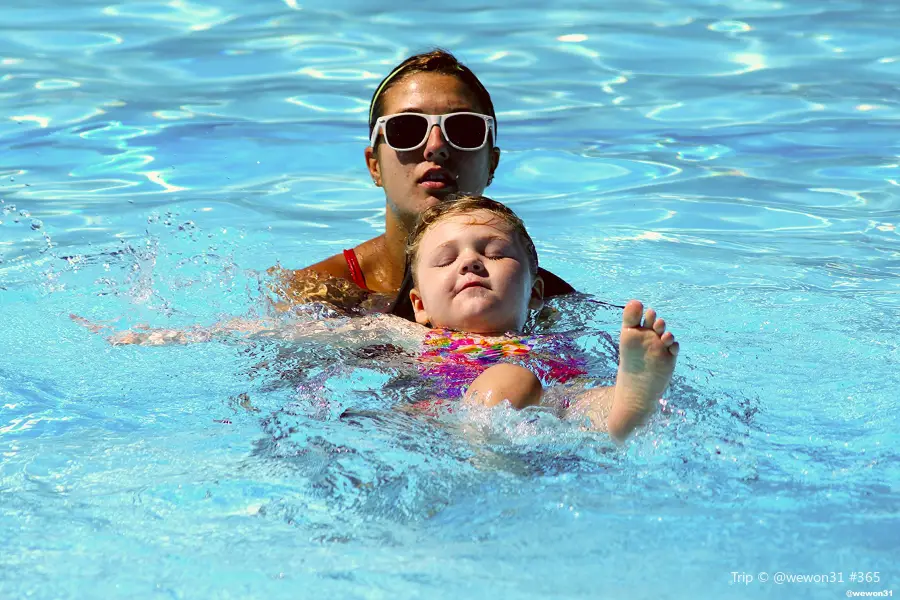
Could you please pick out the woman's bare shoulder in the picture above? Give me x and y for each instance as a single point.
(336, 265)
(329, 280)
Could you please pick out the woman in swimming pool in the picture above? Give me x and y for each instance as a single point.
(433, 131)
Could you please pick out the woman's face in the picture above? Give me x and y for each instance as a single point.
(414, 180)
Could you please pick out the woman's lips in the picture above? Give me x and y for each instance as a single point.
(437, 179)
(436, 185)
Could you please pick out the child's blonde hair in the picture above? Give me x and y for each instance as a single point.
(460, 204)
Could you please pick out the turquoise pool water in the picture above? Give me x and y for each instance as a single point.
(734, 164)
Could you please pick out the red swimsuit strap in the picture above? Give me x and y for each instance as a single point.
(355, 271)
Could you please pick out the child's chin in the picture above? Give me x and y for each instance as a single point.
(481, 324)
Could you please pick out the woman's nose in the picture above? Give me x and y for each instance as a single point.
(436, 147)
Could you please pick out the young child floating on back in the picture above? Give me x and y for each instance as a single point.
(475, 274)
(474, 270)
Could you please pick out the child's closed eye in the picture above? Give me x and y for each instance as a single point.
(495, 251)
(443, 260)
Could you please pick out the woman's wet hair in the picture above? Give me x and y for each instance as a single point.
(435, 61)
(463, 204)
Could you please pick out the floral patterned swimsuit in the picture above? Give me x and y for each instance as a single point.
(454, 359)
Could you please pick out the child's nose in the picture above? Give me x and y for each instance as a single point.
(472, 264)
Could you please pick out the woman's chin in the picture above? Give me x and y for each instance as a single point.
(414, 206)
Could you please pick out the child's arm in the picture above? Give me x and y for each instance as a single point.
(506, 381)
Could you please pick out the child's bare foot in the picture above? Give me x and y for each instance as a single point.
(646, 360)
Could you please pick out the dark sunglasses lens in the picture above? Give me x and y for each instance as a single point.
(465, 131)
(405, 131)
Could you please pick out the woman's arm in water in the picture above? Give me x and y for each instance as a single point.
(161, 336)
(339, 330)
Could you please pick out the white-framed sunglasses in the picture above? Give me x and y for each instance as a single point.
(408, 131)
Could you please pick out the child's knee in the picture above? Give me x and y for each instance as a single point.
(516, 384)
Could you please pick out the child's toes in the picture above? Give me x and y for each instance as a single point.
(631, 316)
(649, 317)
(668, 341)
(659, 326)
